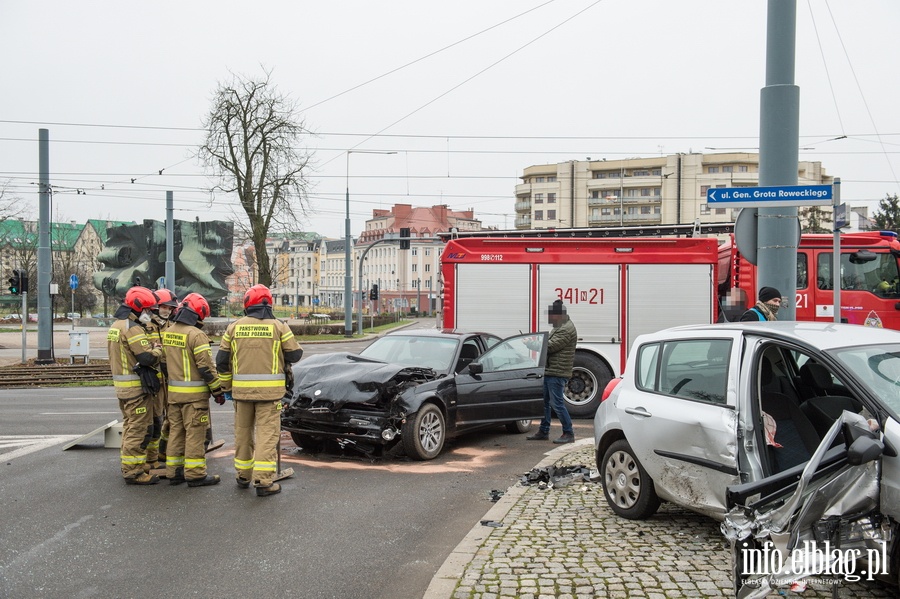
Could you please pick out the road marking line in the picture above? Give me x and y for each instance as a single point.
(73, 413)
(30, 443)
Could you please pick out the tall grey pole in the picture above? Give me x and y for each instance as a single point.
(779, 140)
(45, 318)
(170, 242)
(24, 316)
(836, 253)
(348, 274)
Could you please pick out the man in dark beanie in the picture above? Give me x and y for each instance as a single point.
(560, 358)
(766, 308)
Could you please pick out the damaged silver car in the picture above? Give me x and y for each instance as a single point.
(788, 432)
(417, 388)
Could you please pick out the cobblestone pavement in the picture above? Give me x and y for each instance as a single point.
(567, 543)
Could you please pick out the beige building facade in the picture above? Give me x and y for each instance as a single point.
(638, 191)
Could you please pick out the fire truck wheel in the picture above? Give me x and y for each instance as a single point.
(589, 377)
(519, 426)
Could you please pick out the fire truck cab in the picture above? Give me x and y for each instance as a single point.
(870, 279)
(613, 290)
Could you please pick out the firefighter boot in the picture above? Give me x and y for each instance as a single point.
(272, 489)
(209, 479)
(178, 478)
(242, 482)
(143, 478)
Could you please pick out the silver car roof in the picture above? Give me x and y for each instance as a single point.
(822, 335)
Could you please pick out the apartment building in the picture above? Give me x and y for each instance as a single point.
(638, 191)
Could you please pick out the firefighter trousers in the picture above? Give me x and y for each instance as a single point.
(159, 416)
(257, 429)
(137, 430)
(188, 423)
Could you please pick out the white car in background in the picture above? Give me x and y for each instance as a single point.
(788, 432)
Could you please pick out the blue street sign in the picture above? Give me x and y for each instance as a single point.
(161, 283)
(762, 197)
(315, 301)
(73, 282)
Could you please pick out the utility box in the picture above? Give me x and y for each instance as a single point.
(79, 346)
(112, 436)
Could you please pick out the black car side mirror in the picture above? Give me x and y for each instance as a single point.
(475, 368)
(864, 450)
(862, 256)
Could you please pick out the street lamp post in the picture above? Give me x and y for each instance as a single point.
(348, 272)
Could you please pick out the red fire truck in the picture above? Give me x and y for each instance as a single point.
(870, 280)
(613, 289)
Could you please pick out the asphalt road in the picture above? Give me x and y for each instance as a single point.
(344, 526)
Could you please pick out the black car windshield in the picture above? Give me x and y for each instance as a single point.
(878, 368)
(409, 350)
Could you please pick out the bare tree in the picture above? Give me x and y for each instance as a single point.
(814, 219)
(11, 206)
(252, 146)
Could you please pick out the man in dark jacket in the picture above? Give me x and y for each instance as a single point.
(766, 308)
(560, 358)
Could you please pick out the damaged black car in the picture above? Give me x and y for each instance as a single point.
(417, 388)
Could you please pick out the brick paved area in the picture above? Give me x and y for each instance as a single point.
(567, 543)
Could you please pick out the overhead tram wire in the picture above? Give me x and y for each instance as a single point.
(458, 85)
(429, 55)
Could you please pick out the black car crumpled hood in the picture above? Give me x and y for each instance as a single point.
(342, 378)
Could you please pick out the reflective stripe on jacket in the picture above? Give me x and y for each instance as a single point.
(256, 350)
(192, 373)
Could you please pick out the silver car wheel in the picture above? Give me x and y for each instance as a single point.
(623, 479)
(431, 432)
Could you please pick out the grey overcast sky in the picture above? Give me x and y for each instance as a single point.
(541, 82)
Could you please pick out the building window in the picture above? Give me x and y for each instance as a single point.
(539, 180)
(428, 268)
(551, 198)
(645, 192)
(551, 179)
(657, 191)
(415, 267)
(415, 251)
(645, 209)
(599, 175)
(657, 172)
(551, 215)
(605, 211)
(713, 169)
(657, 210)
(538, 215)
(538, 198)
(703, 190)
(704, 208)
(743, 168)
(720, 210)
(641, 173)
(728, 169)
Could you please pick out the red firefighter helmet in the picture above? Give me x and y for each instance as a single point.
(165, 297)
(197, 303)
(258, 294)
(139, 299)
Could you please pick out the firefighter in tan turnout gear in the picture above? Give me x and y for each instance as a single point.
(166, 302)
(192, 378)
(252, 358)
(132, 360)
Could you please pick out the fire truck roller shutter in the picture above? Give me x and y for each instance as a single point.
(660, 296)
(495, 298)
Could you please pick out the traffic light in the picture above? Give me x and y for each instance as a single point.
(373, 293)
(18, 282)
(404, 243)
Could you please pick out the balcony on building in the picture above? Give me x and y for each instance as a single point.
(523, 189)
(523, 206)
(523, 222)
